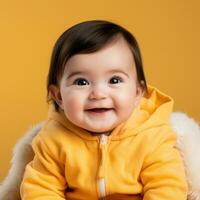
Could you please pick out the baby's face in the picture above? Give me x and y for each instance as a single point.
(99, 90)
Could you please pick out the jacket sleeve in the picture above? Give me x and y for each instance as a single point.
(163, 174)
(44, 176)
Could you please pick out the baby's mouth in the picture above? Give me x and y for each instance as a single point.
(99, 110)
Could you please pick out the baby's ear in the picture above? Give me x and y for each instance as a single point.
(139, 94)
(56, 95)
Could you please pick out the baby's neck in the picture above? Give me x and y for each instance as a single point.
(98, 134)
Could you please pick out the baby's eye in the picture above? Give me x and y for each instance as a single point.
(81, 81)
(116, 79)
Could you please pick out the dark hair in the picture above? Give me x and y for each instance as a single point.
(89, 37)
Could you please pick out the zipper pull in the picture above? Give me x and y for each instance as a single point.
(103, 139)
(102, 188)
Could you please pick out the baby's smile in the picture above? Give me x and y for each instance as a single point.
(99, 111)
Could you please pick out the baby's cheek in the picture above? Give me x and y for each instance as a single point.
(125, 99)
(125, 103)
(72, 103)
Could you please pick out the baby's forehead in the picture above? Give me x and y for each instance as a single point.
(116, 55)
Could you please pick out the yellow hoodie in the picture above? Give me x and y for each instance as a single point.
(137, 161)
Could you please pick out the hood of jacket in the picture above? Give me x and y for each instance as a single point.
(153, 110)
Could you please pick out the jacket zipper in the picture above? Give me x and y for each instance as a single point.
(101, 175)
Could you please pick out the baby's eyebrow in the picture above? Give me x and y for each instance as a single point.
(118, 71)
(108, 72)
(74, 73)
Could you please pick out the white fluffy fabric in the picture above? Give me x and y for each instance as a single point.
(188, 142)
(22, 154)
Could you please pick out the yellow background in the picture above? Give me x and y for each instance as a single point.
(168, 33)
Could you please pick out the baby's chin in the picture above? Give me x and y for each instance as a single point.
(100, 131)
(99, 127)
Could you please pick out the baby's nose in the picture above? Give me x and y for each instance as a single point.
(98, 92)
